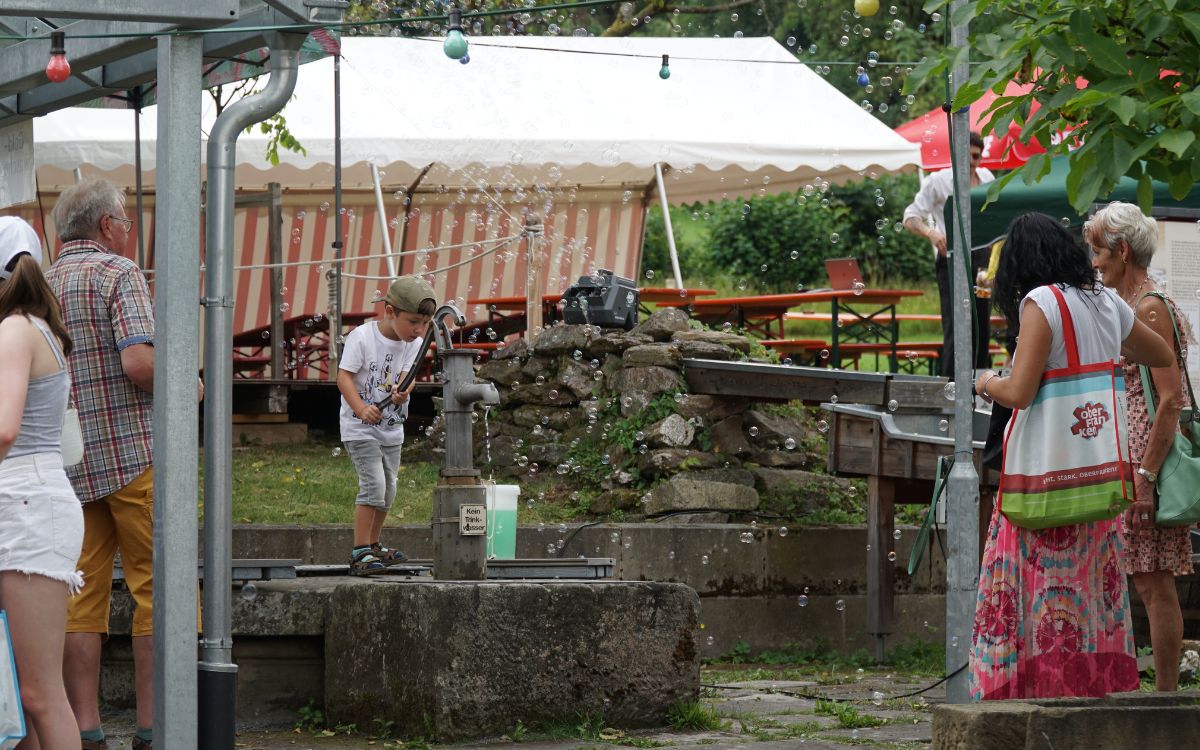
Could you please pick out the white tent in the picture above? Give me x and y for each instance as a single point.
(737, 116)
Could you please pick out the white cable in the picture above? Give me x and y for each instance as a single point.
(369, 277)
(331, 261)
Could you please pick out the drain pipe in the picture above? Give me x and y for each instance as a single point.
(217, 672)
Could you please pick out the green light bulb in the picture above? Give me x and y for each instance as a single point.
(665, 71)
(455, 45)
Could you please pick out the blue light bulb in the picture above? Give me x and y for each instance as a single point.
(455, 45)
(864, 80)
(465, 59)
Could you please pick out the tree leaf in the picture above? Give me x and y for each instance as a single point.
(1191, 100)
(1145, 194)
(1177, 141)
(1124, 108)
(1180, 183)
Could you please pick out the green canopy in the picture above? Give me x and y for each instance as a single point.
(1049, 196)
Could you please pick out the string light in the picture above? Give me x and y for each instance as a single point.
(58, 69)
(455, 45)
(665, 71)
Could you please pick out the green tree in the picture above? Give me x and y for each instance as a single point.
(1121, 76)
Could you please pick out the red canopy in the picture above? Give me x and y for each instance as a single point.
(1000, 151)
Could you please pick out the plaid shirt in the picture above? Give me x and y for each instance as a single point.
(107, 307)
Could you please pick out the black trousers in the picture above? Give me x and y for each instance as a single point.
(981, 335)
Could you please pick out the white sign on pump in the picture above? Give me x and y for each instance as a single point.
(472, 520)
(16, 164)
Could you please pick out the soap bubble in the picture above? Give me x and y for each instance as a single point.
(840, 605)
(802, 600)
(893, 405)
(790, 444)
(249, 592)
(704, 559)
(783, 531)
(944, 426)
(892, 556)
(746, 537)
(822, 426)
(896, 534)
(948, 391)
(877, 698)
(753, 432)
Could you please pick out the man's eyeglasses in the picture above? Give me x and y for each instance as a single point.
(127, 224)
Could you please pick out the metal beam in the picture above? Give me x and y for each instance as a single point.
(182, 12)
(24, 63)
(134, 69)
(176, 413)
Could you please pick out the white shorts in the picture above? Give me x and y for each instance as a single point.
(41, 520)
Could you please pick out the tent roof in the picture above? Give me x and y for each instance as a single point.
(737, 116)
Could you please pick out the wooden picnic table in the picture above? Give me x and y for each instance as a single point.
(872, 315)
(822, 317)
(305, 344)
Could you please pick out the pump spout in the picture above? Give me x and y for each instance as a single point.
(469, 393)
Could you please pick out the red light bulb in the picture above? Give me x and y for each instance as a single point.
(58, 69)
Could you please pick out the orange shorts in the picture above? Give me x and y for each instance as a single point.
(123, 520)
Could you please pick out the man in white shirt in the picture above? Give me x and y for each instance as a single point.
(924, 218)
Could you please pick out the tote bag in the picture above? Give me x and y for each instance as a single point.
(1065, 455)
(12, 718)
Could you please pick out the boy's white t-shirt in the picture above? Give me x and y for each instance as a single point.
(378, 364)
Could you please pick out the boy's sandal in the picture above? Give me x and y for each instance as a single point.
(365, 563)
(387, 555)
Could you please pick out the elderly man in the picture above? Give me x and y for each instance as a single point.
(109, 314)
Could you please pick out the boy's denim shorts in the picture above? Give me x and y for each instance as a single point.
(41, 521)
(377, 466)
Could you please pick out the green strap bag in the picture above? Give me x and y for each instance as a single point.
(1177, 501)
(939, 486)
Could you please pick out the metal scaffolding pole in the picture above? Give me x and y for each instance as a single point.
(176, 362)
(962, 488)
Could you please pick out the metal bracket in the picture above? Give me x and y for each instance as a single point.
(216, 302)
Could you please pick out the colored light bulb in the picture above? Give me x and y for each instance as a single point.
(58, 69)
(455, 45)
(665, 71)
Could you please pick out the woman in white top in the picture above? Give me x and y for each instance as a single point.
(41, 521)
(1052, 616)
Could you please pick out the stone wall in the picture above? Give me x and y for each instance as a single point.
(611, 409)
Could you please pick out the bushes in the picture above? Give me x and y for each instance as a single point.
(779, 243)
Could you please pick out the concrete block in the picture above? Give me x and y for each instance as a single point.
(995, 725)
(1112, 727)
(470, 659)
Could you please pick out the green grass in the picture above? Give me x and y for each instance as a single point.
(847, 715)
(688, 715)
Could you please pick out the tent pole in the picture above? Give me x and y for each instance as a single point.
(137, 174)
(335, 319)
(533, 275)
(383, 222)
(662, 198)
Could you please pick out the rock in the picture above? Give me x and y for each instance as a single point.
(511, 350)
(652, 355)
(773, 430)
(562, 339)
(612, 364)
(615, 499)
(727, 437)
(634, 402)
(578, 378)
(674, 460)
(546, 394)
(671, 432)
(711, 408)
(720, 338)
(781, 459)
(663, 323)
(682, 493)
(503, 451)
(791, 492)
(548, 455)
(546, 416)
(614, 343)
(729, 475)
(705, 350)
(651, 380)
(537, 366)
(501, 371)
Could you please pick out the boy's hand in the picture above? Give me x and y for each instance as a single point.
(370, 414)
(399, 397)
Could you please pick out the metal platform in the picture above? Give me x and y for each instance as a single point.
(594, 568)
(243, 570)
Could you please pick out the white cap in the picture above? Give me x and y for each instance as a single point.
(16, 238)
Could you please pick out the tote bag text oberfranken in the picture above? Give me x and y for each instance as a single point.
(1065, 456)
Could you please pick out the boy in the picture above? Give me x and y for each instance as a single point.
(376, 357)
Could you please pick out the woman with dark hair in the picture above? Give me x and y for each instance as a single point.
(1052, 617)
(41, 521)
